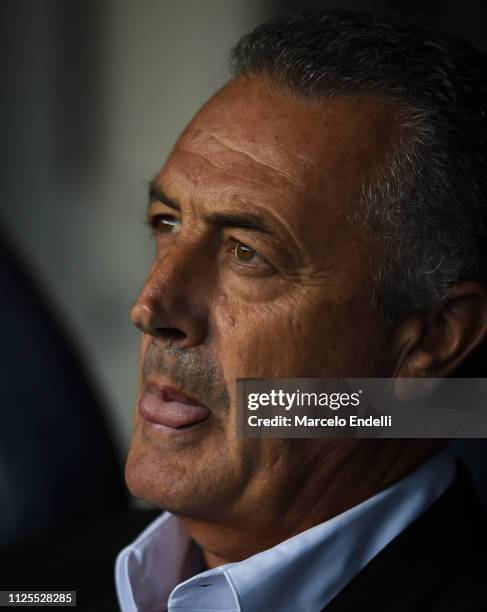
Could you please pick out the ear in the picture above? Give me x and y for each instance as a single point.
(431, 344)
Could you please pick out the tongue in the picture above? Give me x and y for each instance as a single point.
(171, 413)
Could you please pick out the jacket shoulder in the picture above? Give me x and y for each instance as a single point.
(436, 564)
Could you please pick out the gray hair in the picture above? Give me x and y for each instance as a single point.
(428, 203)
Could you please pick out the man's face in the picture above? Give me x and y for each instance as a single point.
(257, 273)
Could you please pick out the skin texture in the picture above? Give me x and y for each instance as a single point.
(296, 303)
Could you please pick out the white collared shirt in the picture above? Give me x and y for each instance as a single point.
(161, 569)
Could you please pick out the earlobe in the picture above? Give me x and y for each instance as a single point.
(419, 364)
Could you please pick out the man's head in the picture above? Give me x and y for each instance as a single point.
(321, 216)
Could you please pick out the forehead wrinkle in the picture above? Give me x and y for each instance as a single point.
(286, 151)
(202, 141)
(225, 172)
(226, 143)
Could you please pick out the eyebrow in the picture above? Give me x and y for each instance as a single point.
(247, 221)
(156, 194)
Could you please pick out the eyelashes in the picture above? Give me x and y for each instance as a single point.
(163, 224)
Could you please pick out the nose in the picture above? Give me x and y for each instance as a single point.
(172, 305)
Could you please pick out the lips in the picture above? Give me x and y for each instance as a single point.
(171, 408)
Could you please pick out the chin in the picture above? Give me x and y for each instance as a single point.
(184, 486)
(160, 486)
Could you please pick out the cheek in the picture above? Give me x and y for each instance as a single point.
(262, 340)
(296, 336)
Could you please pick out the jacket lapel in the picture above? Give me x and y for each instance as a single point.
(410, 573)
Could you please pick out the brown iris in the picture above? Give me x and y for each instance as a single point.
(244, 253)
(165, 223)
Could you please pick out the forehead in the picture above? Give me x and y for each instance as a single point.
(304, 161)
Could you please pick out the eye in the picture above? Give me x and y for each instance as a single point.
(164, 224)
(245, 254)
(247, 261)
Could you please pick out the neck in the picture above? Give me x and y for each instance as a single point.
(350, 473)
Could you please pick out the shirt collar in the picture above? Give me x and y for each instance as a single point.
(160, 558)
(302, 573)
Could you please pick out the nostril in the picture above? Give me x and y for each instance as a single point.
(170, 333)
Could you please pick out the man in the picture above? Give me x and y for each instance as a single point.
(323, 215)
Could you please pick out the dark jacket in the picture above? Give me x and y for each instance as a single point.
(438, 563)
